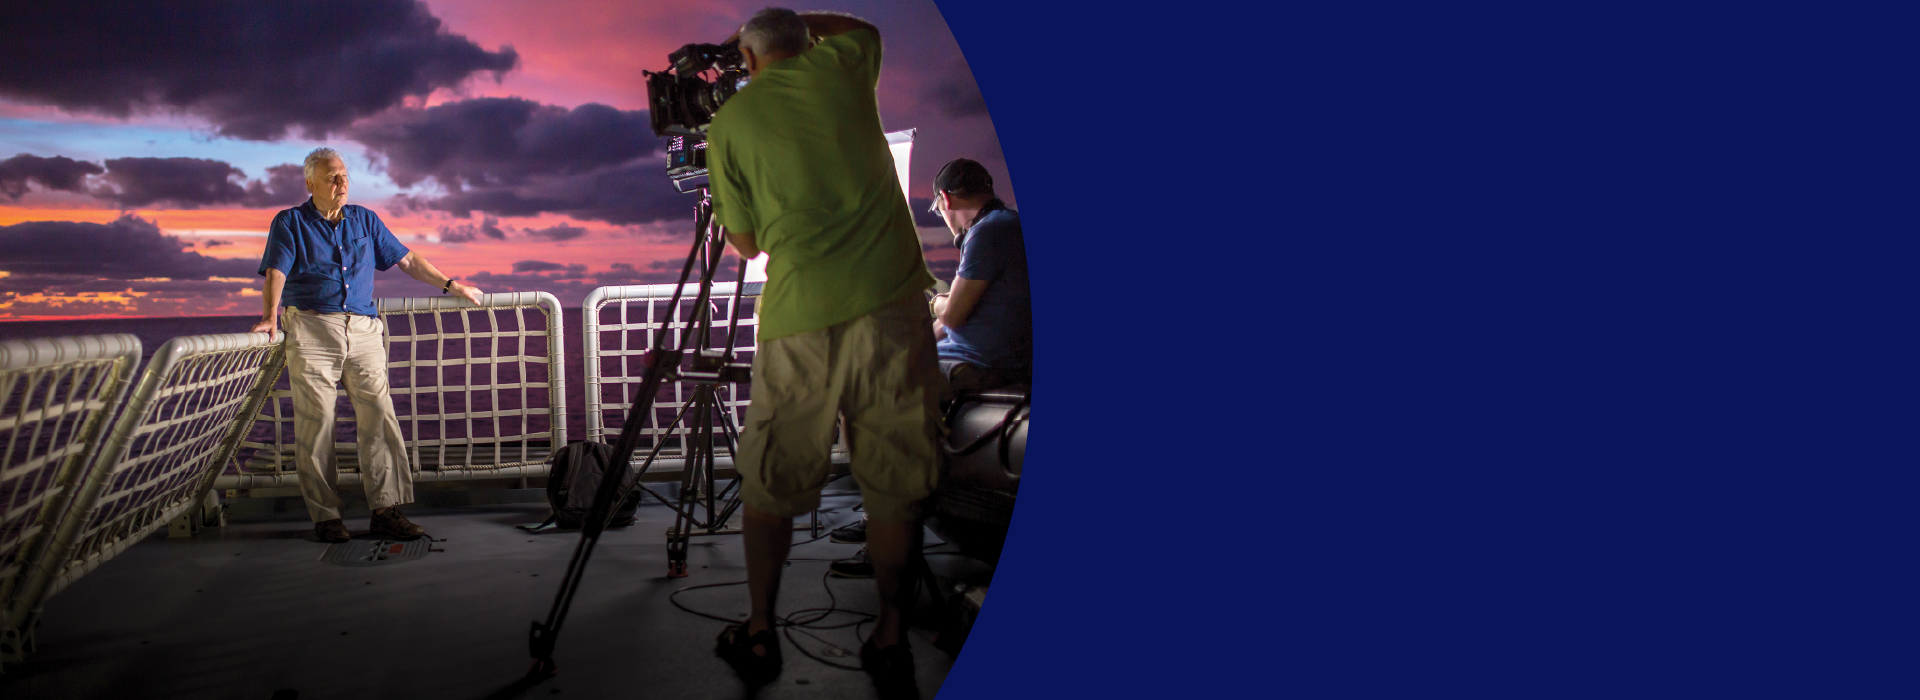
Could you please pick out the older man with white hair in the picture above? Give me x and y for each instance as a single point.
(319, 262)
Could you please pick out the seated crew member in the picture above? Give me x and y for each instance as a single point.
(985, 324)
(800, 167)
(321, 256)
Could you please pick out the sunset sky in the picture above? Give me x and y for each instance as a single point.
(144, 152)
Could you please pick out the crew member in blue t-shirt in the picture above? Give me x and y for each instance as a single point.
(985, 324)
(321, 257)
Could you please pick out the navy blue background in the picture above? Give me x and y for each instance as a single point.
(1563, 352)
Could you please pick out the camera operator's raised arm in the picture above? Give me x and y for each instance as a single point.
(821, 24)
(825, 24)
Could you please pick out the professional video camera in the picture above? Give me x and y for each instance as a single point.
(681, 101)
(681, 104)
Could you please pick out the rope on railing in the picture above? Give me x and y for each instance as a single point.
(477, 389)
(618, 324)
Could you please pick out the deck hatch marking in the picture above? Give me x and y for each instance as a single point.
(375, 552)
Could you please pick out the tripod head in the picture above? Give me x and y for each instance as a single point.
(687, 164)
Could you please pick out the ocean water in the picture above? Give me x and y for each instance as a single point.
(151, 331)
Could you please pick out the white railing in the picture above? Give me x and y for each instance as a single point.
(181, 422)
(56, 396)
(618, 326)
(480, 392)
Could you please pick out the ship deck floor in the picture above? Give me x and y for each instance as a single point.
(249, 611)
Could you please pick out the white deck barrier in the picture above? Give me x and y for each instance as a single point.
(56, 396)
(618, 326)
(480, 392)
(181, 422)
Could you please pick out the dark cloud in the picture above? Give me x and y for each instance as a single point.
(285, 186)
(955, 93)
(56, 173)
(254, 69)
(195, 182)
(728, 262)
(515, 157)
(187, 182)
(29, 284)
(493, 141)
(214, 243)
(573, 271)
(562, 232)
(636, 193)
(126, 249)
(462, 233)
(139, 182)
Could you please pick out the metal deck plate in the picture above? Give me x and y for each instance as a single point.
(375, 552)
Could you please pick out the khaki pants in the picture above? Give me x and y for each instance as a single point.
(323, 349)
(880, 370)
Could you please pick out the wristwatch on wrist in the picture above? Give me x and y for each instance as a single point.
(447, 287)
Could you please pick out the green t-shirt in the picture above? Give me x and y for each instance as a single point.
(799, 159)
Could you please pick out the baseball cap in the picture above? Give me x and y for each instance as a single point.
(963, 176)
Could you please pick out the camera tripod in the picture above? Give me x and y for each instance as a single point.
(705, 417)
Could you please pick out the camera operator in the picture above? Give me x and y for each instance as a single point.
(800, 168)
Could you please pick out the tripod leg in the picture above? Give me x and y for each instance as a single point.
(706, 399)
(682, 529)
(683, 522)
(543, 636)
(732, 494)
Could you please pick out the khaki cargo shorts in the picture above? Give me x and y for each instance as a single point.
(881, 372)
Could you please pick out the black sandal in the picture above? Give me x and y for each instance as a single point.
(891, 669)
(736, 648)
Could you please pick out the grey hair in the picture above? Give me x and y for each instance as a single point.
(318, 159)
(775, 31)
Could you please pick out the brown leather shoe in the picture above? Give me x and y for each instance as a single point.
(331, 531)
(390, 524)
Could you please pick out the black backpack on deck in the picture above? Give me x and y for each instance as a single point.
(575, 478)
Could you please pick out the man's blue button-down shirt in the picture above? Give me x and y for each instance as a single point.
(330, 266)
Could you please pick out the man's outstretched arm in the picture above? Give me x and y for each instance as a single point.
(418, 268)
(270, 289)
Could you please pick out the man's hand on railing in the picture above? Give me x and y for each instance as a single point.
(467, 292)
(265, 325)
